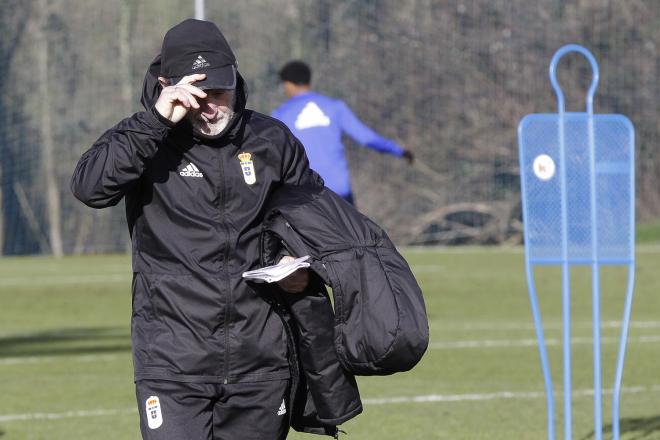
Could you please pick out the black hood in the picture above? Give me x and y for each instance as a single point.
(151, 91)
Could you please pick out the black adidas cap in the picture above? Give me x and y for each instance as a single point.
(195, 46)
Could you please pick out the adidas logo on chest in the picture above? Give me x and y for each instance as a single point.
(191, 171)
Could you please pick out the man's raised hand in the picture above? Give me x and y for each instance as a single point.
(175, 101)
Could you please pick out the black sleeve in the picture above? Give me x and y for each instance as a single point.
(296, 170)
(110, 168)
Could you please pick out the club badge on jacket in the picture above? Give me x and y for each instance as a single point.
(248, 168)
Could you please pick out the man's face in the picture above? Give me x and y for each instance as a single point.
(214, 112)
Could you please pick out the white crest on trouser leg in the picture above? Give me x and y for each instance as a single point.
(154, 413)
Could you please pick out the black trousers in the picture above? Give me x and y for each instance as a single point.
(201, 411)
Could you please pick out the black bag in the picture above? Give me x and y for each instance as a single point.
(380, 323)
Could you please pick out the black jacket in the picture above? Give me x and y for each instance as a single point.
(379, 321)
(194, 220)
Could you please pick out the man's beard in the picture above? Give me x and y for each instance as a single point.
(212, 128)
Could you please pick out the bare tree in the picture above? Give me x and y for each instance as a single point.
(448, 79)
(127, 18)
(46, 130)
(15, 14)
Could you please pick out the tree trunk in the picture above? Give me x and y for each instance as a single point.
(30, 217)
(127, 15)
(124, 42)
(12, 27)
(46, 132)
(2, 223)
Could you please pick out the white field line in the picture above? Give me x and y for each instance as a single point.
(532, 342)
(55, 333)
(45, 359)
(441, 345)
(476, 326)
(553, 325)
(126, 276)
(430, 398)
(447, 250)
(64, 279)
(650, 248)
(65, 415)
(498, 395)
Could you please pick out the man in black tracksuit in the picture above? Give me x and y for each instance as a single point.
(196, 169)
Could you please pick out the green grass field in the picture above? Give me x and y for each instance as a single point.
(66, 373)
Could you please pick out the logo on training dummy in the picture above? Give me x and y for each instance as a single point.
(248, 168)
(154, 414)
(544, 167)
(282, 410)
(191, 171)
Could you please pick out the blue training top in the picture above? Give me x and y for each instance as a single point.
(318, 122)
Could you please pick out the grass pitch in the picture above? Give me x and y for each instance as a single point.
(66, 373)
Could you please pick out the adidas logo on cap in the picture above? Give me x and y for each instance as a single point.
(191, 171)
(200, 62)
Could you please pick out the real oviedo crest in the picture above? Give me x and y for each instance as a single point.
(154, 413)
(248, 168)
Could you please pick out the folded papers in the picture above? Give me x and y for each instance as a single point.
(272, 274)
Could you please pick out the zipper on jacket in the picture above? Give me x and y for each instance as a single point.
(229, 301)
(225, 262)
(226, 265)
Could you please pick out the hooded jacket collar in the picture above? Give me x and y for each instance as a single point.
(151, 89)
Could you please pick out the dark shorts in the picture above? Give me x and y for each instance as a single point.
(191, 411)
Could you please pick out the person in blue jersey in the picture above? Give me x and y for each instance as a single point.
(319, 122)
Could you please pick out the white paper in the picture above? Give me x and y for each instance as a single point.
(271, 274)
